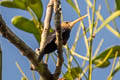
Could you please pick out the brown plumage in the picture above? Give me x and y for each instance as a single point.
(50, 43)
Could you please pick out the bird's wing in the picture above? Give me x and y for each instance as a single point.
(51, 37)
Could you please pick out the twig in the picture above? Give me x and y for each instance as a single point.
(25, 50)
(21, 71)
(113, 67)
(47, 20)
(91, 41)
(57, 19)
(113, 21)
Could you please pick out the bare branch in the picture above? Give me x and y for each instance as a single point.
(25, 50)
(47, 20)
(57, 19)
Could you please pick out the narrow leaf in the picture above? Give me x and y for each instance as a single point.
(107, 25)
(89, 3)
(117, 4)
(99, 59)
(110, 18)
(71, 3)
(105, 52)
(23, 74)
(113, 66)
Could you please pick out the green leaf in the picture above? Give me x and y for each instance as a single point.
(26, 25)
(8, 4)
(38, 37)
(73, 73)
(114, 50)
(103, 65)
(37, 7)
(22, 4)
(117, 4)
(105, 53)
(14, 4)
(71, 3)
(68, 76)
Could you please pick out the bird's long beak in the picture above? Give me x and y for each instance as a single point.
(77, 20)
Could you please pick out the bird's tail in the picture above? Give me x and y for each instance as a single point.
(40, 57)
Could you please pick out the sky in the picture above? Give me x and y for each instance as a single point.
(11, 53)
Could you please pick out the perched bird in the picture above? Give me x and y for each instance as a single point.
(51, 40)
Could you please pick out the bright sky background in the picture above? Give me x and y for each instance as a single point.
(11, 53)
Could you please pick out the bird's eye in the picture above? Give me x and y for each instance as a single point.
(66, 22)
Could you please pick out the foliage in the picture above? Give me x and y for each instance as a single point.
(35, 8)
(73, 73)
(27, 25)
(117, 4)
(34, 26)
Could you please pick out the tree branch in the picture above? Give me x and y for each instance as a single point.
(29, 53)
(47, 20)
(57, 19)
(25, 50)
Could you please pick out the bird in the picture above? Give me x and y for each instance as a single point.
(51, 45)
